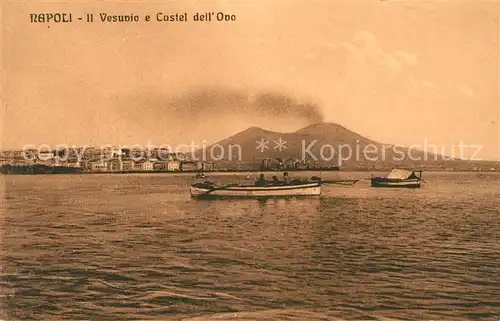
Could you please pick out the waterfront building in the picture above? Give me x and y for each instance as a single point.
(99, 166)
(173, 165)
(115, 165)
(189, 166)
(128, 165)
(148, 165)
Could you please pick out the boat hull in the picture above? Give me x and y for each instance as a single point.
(395, 183)
(312, 189)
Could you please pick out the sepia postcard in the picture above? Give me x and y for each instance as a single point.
(250, 160)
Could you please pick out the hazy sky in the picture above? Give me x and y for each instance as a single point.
(396, 72)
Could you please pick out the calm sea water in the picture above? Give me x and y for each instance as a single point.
(111, 247)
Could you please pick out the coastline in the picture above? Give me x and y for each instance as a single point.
(219, 172)
(80, 172)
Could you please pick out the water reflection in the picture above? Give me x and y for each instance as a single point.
(138, 247)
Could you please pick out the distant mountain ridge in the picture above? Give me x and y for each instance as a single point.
(327, 144)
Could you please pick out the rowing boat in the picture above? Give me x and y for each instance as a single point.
(206, 189)
(399, 178)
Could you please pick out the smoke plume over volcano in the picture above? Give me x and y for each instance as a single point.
(210, 114)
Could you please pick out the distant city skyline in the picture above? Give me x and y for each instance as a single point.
(395, 72)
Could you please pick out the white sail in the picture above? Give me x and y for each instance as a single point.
(399, 174)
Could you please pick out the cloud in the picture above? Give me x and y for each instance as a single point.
(363, 50)
(364, 64)
(367, 43)
(464, 90)
(406, 58)
(369, 86)
(427, 84)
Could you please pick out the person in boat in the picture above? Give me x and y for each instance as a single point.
(261, 181)
(286, 178)
(288, 181)
(275, 181)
